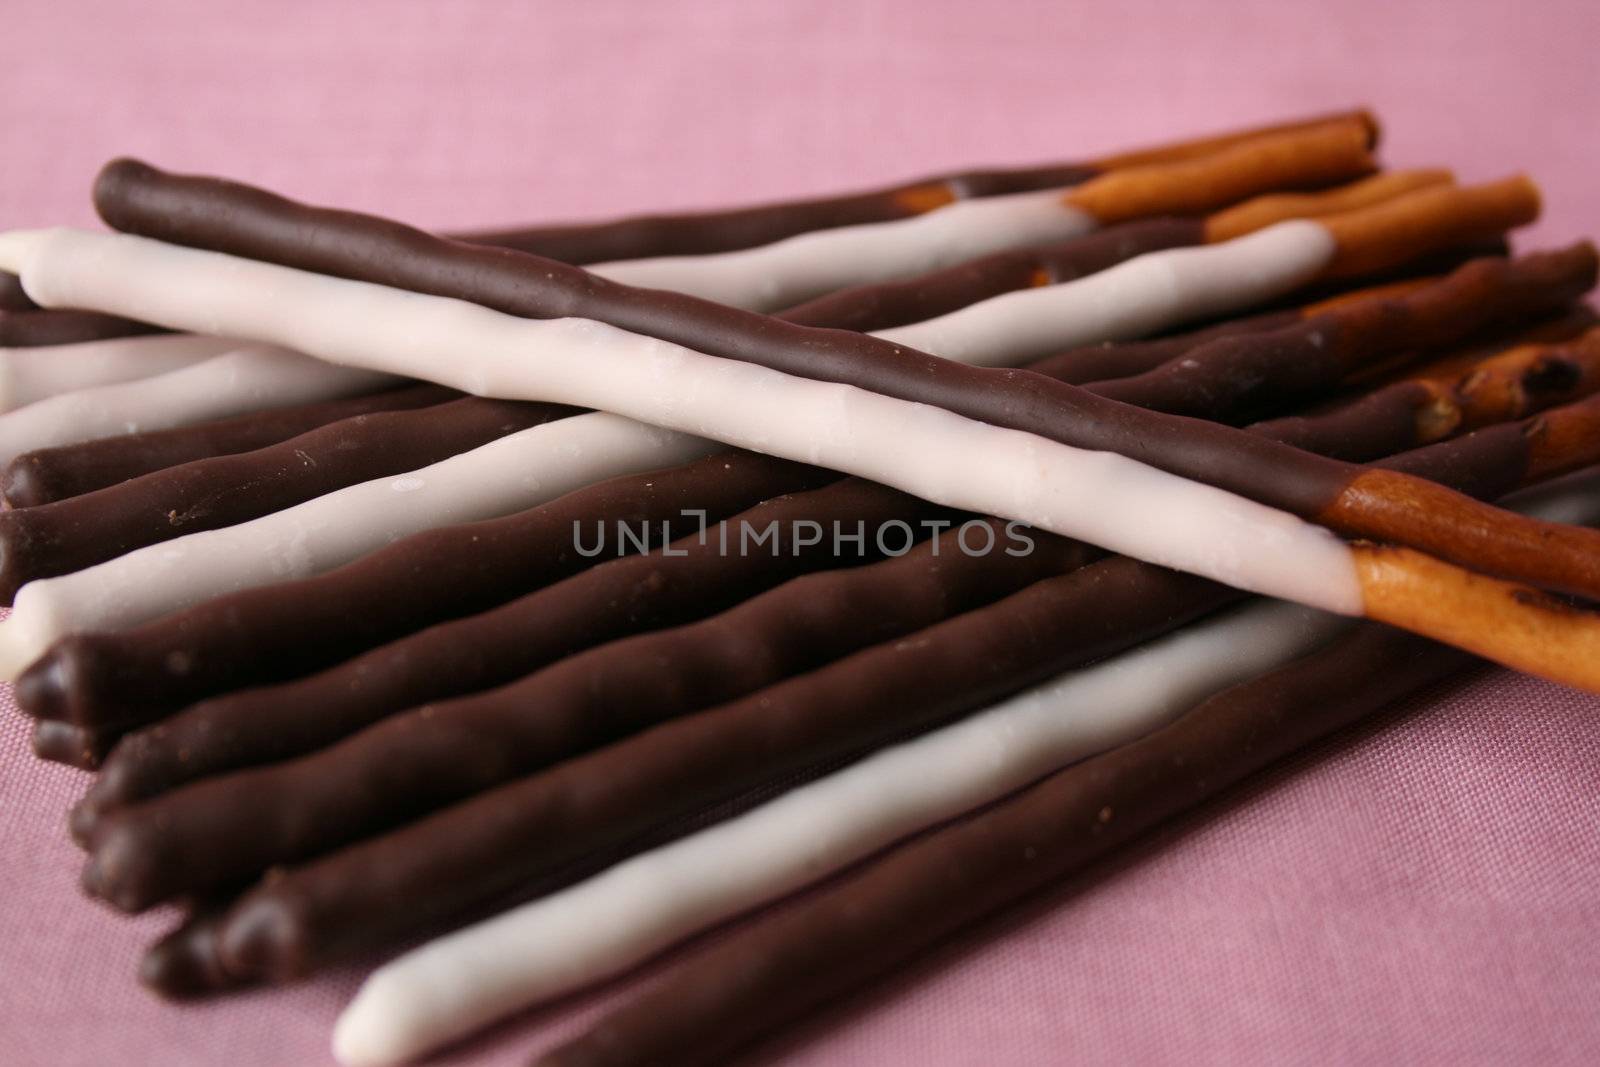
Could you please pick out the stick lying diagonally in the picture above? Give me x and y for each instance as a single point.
(1216, 380)
(698, 233)
(934, 453)
(257, 224)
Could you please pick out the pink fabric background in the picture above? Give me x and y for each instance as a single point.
(1423, 891)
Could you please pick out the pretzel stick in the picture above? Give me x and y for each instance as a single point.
(50, 474)
(724, 231)
(588, 363)
(1410, 413)
(890, 304)
(806, 266)
(136, 197)
(1221, 378)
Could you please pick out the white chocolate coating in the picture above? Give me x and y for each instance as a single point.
(1134, 298)
(32, 374)
(1103, 498)
(787, 272)
(629, 912)
(249, 377)
(513, 473)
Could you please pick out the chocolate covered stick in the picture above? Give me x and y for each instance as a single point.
(31, 374)
(208, 211)
(202, 838)
(1229, 375)
(288, 628)
(808, 265)
(243, 378)
(39, 329)
(12, 295)
(890, 304)
(73, 534)
(1405, 414)
(894, 441)
(644, 904)
(868, 925)
(51, 474)
(723, 231)
(487, 846)
(504, 476)
(472, 654)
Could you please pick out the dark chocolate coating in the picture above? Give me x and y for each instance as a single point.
(1233, 377)
(286, 629)
(38, 329)
(222, 831)
(469, 655)
(69, 535)
(1121, 359)
(229, 217)
(52, 474)
(12, 296)
(75, 746)
(481, 850)
(697, 233)
(484, 848)
(1380, 423)
(840, 940)
(889, 304)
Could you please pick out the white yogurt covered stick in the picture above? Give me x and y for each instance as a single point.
(31, 374)
(248, 377)
(507, 475)
(798, 268)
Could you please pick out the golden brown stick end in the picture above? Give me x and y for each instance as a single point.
(1515, 626)
(1388, 506)
(1402, 229)
(1263, 211)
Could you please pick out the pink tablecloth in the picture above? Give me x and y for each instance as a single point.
(1424, 891)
